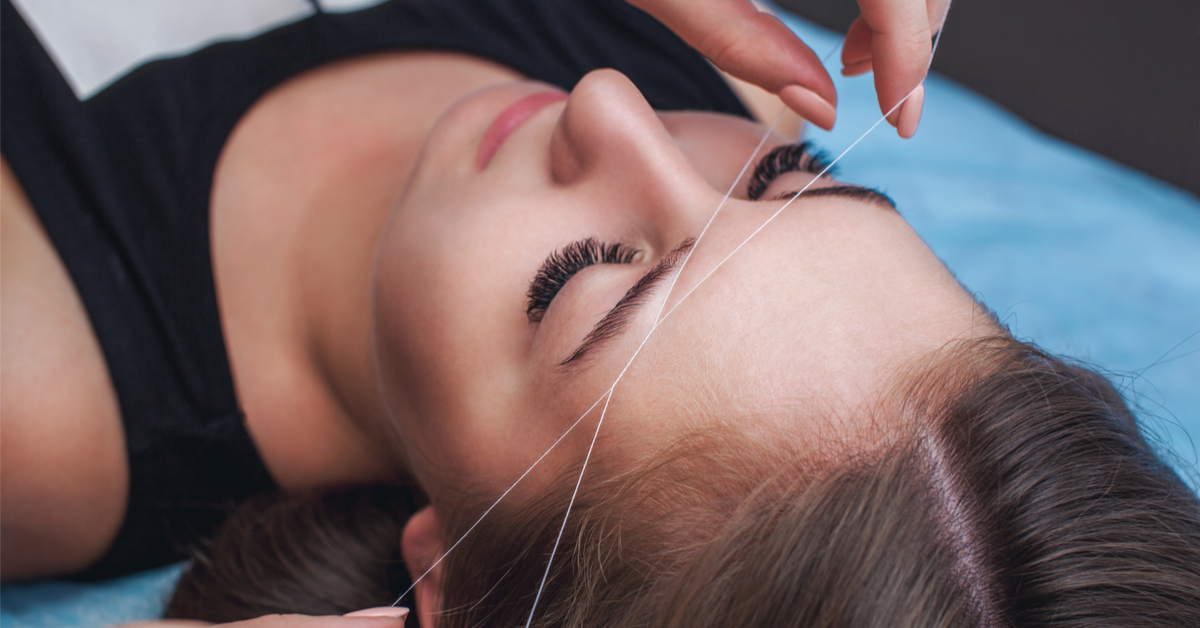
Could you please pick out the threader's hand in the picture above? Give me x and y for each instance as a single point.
(382, 617)
(893, 37)
(755, 47)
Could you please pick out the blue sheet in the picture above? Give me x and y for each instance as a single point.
(50, 604)
(1085, 257)
(1082, 255)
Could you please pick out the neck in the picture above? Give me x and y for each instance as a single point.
(363, 175)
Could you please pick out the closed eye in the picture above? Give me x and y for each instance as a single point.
(561, 265)
(801, 157)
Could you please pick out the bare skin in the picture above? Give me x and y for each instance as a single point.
(292, 271)
(292, 268)
(291, 263)
(63, 474)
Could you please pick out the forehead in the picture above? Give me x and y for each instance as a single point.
(817, 311)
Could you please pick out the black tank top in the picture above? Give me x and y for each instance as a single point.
(121, 182)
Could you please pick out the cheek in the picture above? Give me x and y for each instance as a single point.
(449, 326)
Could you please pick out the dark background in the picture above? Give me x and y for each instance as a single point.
(1120, 77)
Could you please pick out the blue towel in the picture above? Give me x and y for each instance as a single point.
(1084, 256)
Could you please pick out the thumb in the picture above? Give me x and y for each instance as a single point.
(755, 47)
(895, 39)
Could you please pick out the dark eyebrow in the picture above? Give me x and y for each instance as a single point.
(854, 192)
(617, 318)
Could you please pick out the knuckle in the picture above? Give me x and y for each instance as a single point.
(724, 48)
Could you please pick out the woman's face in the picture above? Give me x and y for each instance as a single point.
(483, 372)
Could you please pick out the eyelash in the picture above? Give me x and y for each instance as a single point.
(801, 157)
(562, 264)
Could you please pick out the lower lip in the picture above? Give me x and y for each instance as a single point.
(509, 120)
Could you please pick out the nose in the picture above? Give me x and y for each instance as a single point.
(609, 135)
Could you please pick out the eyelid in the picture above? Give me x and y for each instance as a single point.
(800, 157)
(617, 318)
(562, 264)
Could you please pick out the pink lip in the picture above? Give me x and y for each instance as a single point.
(509, 120)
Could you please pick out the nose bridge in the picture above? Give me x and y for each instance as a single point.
(609, 135)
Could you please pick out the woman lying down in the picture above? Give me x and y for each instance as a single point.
(435, 245)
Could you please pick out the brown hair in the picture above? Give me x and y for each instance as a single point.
(1020, 493)
(309, 553)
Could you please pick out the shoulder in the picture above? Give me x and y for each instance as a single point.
(63, 468)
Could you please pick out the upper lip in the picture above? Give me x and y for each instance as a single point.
(509, 119)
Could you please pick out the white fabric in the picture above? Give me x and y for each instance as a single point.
(95, 42)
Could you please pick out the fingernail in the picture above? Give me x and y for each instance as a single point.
(399, 612)
(864, 52)
(910, 113)
(855, 69)
(809, 105)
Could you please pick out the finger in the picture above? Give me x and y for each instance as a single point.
(856, 48)
(380, 611)
(900, 47)
(304, 621)
(375, 621)
(937, 14)
(754, 47)
(910, 113)
(810, 106)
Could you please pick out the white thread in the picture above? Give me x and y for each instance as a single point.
(728, 193)
(658, 321)
(828, 55)
(570, 504)
(498, 500)
(671, 287)
(587, 458)
(827, 168)
(594, 404)
(773, 216)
